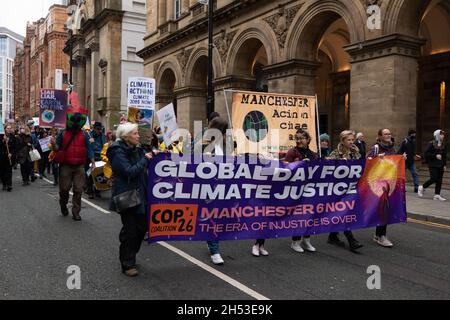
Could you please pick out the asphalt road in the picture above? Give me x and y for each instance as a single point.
(37, 245)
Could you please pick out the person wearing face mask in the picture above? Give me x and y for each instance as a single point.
(73, 147)
(408, 149)
(436, 157)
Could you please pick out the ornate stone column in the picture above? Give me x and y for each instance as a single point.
(384, 84)
(294, 76)
(191, 106)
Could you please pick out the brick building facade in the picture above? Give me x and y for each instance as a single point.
(42, 63)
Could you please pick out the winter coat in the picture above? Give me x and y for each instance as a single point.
(362, 147)
(97, 145)
(408, 146)
(343, 153)
(430, 155)
(24, 147)
(12, 145)
(129, 166)
(299, 154)
(381, 148)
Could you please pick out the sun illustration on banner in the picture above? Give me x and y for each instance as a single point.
(382, 177)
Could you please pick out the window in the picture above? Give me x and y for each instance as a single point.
(139, 6)
(177, 7)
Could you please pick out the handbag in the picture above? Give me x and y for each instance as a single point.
(34, 155)
(127, 200)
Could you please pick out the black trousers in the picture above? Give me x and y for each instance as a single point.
(25, 170)
(43, 163)
(348, 235)
(436, 176)
(131, 237)
(6, 173)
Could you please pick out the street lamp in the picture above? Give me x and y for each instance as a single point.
(210, 99)
(70, 26)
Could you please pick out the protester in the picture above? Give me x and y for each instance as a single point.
(383, 147)
(408, 149)
(361, 144)
(97, 140)
(74, 147)
(107, 170)
(129, 164)
(218, 123)
(346, 150)
(43, 163)
(7, 157)
(25, 145)
(325, 145)
(302, 153)
(436, 157)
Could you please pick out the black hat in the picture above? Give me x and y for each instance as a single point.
(213, 115)
(98, 125)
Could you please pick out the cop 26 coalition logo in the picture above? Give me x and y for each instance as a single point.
(374, 14)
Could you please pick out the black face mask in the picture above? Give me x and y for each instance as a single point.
(412, 138)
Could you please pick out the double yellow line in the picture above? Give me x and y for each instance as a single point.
(430, 224)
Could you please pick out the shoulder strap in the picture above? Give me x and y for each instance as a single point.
(70, 141)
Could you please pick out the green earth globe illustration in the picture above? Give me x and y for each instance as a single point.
(255, 126)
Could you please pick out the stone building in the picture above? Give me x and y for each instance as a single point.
(106, 36)
(43, 61)
(386, 68)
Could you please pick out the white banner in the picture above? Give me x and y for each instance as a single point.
(168, 122)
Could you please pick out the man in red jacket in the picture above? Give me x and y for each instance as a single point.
(73, 143)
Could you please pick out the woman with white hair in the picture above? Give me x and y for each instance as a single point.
(129, 165)
(436, 157)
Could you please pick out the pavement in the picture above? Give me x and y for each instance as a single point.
(427, 209)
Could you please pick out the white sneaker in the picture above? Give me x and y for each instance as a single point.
(420, 192)
(306, 244)
(263, 251)
(255, 250)
(297, 247)
(439, 198)
(383, 241)
(217, 259)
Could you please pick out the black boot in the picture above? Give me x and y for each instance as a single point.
(333, 238)
(352, 242)
(64, 211)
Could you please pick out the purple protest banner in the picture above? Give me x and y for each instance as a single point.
(53, 107)
(236, 200)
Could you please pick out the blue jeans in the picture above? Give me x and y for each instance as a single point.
(414, 174)
(213, 247)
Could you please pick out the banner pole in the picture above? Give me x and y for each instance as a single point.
(318, 127)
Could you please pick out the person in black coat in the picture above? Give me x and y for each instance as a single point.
(7, 157)
(129, 165)
(408, 149)
(436, 157)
